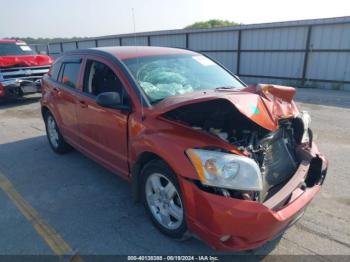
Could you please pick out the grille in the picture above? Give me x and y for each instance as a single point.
(26, 73)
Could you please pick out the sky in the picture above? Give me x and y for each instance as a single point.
(86, 18)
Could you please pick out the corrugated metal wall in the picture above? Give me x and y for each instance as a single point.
(312, 53)
(169, 40)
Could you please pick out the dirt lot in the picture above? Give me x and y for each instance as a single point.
(91, 209)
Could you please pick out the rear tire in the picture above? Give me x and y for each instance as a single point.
(56, 140)
(162, 199)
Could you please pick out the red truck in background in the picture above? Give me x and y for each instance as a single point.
(21, 69)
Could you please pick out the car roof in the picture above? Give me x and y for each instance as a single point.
(129, 52)
(10, 41)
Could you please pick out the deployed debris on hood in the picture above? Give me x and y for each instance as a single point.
(159, 80)
(159, 91)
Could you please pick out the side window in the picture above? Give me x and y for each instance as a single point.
(54, 70)
(69, 74)
(99, 78)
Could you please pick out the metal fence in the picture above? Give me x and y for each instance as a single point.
(309, 53)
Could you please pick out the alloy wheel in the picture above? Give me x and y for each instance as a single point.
(164, 201)
(52, 131)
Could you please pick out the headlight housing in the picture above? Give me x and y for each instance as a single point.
(226, 170)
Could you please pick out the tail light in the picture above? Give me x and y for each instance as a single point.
(2, 90)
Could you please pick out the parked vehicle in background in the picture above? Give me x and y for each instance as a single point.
(234, 164)
(21, 69)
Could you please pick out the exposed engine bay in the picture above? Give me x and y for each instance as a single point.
(274, 152)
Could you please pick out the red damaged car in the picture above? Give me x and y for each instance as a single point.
(21, 69)
(208, 155)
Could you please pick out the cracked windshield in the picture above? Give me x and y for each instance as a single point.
(164, 76)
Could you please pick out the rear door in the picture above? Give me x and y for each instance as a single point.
(103, 131)
(66, 92)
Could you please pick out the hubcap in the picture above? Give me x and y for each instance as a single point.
(52, 131)
(164, 201)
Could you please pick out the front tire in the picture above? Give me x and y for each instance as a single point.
(163, 200)
(56, 140)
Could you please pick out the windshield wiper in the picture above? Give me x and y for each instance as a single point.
(224, 87)
(156, 101)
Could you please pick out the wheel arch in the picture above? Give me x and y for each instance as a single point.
(143, 158)
(44, 110)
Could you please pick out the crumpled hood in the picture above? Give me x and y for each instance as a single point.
(32, 60)
(263, 104)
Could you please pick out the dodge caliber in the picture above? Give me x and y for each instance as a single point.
(209, 156)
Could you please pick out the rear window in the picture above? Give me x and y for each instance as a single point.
(69, 74)
(15, 49)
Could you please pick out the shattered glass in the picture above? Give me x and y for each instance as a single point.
(164, 76)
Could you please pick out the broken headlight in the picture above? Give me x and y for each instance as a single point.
(226, 170)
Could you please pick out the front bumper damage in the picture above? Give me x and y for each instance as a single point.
(15, 88)
(19, 81)
(231, 224)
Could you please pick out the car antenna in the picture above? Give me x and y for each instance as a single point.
(137, 57)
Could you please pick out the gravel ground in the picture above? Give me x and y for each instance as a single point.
(92, 209)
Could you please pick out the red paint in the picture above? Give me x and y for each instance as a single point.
(117, 139)
(31, 60)
(128, 52)
(270, 110)
(20, 70)
(10, 41)
(250, 224)
(2, 91)
(23, 60)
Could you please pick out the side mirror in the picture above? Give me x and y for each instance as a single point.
(111, 100)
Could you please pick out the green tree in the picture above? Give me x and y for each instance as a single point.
(211, 24)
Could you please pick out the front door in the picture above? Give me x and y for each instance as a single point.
(103, 131)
